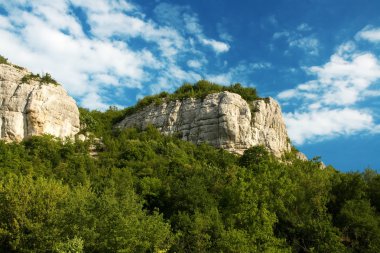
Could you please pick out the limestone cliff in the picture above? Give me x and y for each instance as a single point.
(33, 108)
(224, 120)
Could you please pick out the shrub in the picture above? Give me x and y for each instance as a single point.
(198, 90)
(3, 60)
(29, 77)
(46, 79)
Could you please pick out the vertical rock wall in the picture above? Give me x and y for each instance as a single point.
(34, 108)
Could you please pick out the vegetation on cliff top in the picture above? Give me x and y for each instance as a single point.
(4, 60)
(99, 123)
(44, 79)
(198, 90)
(145, 192)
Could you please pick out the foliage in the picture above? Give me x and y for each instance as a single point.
(48, 79)
(254, 156)
(100, 123)
(3, 60)
(146, 192)
(45, 79)
(74, 245)
(198, 90)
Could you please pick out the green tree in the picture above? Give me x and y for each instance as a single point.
(360, 226)
(30, 211)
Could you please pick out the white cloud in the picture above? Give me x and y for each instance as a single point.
(223, 33)
(297, 39)
(328, 106)
(237, 74)
(304, 27)
(223, 79)
(4, 23)
(371, 93)
(194, 64)
(320, 124)
(341, 81)
(287, 94)
(346, 49)
(278, 35)
(217, 46)
(94, 101)
(47, 36)
(309, 44)
(193, 27)
(192, 24)
(347, 79)
(260, 65)
(184, 19)
(369, 33)
(170, 14)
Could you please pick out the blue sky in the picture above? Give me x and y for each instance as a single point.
(319, 58)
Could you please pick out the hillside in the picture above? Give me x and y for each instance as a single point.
(147, 192)
(138, 190)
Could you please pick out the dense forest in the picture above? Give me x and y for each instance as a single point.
(139, 191)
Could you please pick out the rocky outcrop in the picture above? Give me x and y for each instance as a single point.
(34, 108)
(224, 120)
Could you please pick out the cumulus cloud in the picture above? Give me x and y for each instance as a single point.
(343, 81)
(329, 105)
(91, 46)
(369, 33)
(320, 124)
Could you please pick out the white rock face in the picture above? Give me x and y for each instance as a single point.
(28, 109)
(222, 119)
